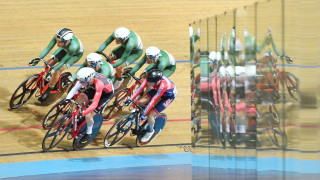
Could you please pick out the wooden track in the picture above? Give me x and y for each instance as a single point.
(26, 28)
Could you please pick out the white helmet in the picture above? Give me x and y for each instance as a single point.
(251, 70)
(212, 56)
(153, 53)
(64, 35)
(94, 59)
(240, 70)
(239, 45)
(190, 31)
(223, 71)
(122, 34)
(230, 71)
(226, 56)
(85, 74)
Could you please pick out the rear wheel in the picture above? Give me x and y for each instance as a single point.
(24, 92)
(119, 130)
(115, 105)
(56, 132)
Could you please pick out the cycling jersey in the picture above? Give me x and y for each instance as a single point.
(166, 63)
(73, 52)
(165, 88)
(106, 69)
(101, 85)
(128, 52)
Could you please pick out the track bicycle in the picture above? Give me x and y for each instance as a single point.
(37, 84)
(116, 106)
(121, 128)
(61, 127)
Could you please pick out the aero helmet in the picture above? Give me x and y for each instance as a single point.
(154, 75)
(153, 53)
(85, 74)
(121, 34)
(94, 59)
(64, 35)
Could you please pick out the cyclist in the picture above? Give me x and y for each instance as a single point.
(162, 88)
(69, 52)
(158, 59)
(95, 61)
(98, 88)
(129, 51)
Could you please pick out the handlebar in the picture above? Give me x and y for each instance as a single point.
(135, 78)
(104, 55)
(287, 58)
(38, 59)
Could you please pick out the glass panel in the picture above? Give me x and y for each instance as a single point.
(270, 122)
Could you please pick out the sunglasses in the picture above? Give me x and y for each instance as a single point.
(151, 57)
(92, 64)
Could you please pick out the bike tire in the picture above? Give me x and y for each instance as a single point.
(276, 133)
(59, 128)
(55, 113)
(116, 106)
(292, 84)
(119, 129)
(24, 86)
(95, 129)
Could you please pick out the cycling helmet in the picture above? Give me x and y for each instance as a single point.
(154, 75)
(121, 34)
(251, 70)
(94, 59)
(212, 57)
(64, 35)
(85, 74)
(240, 71)
(153, 53)
(230, 71)
(222, 71)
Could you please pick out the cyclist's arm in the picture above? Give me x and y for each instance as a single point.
(163, 63)
(162, 89)
(104, 70)
(74, 76)
(139, 90)
(74, 90)
(48, 48)
(106, 43)
(125, 55)
(139, 65)
(98, 87)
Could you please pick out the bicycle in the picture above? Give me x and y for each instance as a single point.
(60, 128)
(37, 82)
(291, 82)
(117, 100)
(119, 129)
(58, 110)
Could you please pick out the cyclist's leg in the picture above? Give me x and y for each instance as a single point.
(169, 71)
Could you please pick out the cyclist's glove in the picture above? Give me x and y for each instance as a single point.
(34, 61)
(127, 102)
(143, 117)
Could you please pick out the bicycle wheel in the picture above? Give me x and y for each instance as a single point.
(276, 133)
(24, 92)
(58, 90)
(118, 130)
(55, 113)
(116, 105)
(56, 132)
(292, 84)
(95, 129)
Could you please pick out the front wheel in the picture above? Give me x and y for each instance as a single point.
(116, 104)
(55, 113)
(24, 92)
(119, 130)
(292, 84)
(57, 132)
